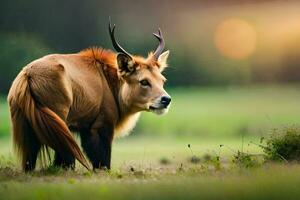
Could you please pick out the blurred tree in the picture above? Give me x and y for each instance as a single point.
(32, 28)
(15, 50)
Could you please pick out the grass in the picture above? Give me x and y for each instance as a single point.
(4, 118)
(283, 144)
(137, 173)
(225, 112)
(197, 151)
(214, 112)
(143, 151)
(271, 182)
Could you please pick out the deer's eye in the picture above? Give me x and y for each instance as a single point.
(145, 83)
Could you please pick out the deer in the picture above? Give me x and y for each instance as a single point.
(97, 93)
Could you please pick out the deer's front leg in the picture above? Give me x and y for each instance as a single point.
(105, 145)
(97, 143)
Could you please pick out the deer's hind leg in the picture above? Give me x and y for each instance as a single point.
(25, 140)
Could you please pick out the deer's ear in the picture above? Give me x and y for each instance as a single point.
(125, 64)
(162, 60)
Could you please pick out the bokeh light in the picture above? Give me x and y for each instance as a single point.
(235, 38)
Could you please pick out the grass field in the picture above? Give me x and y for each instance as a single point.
(139, 173)
(225, 112)
(154, 162)
(270, 182)
(215, 112)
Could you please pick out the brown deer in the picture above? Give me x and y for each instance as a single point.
(96, 92)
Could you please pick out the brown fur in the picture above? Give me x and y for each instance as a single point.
(45, 127)
(84, 92)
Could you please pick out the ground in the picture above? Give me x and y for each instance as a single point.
(207, 126)
(144, 170)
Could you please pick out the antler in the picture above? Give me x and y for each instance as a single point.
(161, 45)
(120, 49)
(116, 45)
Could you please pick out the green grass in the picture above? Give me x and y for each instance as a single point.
(214, 112)
(144, 151)
(138, 174)
(205, 118)
(225, 112)
(4, 118)
(279, 182)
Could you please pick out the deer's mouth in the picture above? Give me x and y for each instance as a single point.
(160, 110)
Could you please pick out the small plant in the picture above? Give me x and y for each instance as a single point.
(194, 159)
(164, 161)
(180, 168)
(245, 160)
(52, 170)
(216, 162)
(283, 144)
(116, 173)
(242, 159)
(206, 157)
(213, 160)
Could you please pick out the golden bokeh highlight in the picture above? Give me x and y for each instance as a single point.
(235, 39)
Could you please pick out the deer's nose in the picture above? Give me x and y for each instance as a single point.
(165, 100)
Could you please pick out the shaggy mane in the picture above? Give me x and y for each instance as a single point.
(100, 55)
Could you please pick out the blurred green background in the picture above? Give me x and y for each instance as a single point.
(234, 65)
